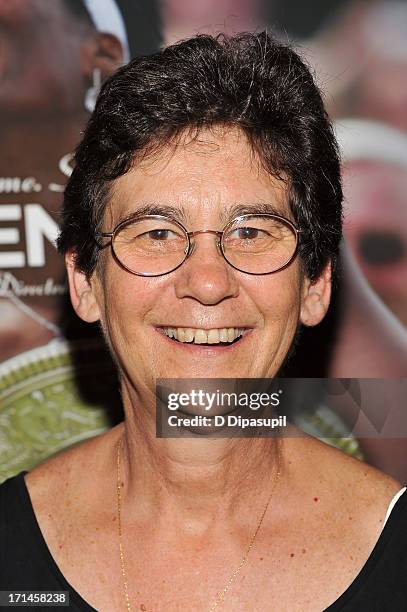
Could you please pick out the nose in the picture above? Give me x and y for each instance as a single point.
(205, 275)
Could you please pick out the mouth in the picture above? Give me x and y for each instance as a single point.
(224, 336)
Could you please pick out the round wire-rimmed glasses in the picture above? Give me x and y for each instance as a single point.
(154, 245)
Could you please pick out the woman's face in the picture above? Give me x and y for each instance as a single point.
(206, 179)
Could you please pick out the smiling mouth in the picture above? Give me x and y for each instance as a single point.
(223, 336)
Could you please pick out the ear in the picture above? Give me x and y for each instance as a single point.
(81, 291)
(105, 52)
(316, 297)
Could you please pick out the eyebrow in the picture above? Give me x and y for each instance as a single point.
(175, 212)
(231, 212)
(179, 214)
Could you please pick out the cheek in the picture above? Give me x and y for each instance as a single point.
(125, 308)
(129, 305)
(278, 297)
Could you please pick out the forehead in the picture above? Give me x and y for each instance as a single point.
(207, 175)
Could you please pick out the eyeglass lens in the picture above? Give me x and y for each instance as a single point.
(255, 244)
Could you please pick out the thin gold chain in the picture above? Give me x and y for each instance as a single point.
(221, 595)
(119, 525)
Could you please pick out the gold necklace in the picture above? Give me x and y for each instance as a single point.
(221, 595)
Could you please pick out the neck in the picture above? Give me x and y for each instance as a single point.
(198, 480)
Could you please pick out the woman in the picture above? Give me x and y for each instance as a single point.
(201, 227)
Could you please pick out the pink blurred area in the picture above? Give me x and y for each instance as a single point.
(376, 227)
(181, 19)
(361, 59)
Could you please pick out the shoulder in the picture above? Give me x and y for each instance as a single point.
(71, 480)
(346, 490)
(336, 507)
(78, 460)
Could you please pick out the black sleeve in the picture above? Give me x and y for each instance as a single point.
(381, 585)
(22, 566)
(26, 563)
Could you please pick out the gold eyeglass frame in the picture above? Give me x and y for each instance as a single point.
(190, 245)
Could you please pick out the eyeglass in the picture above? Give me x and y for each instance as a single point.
(153, 245)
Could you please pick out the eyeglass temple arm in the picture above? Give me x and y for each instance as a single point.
(103, 235)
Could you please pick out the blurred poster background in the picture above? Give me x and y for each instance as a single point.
(53, 56)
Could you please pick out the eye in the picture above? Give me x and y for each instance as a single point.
(161, 238)
(247, 233)
(160, 234)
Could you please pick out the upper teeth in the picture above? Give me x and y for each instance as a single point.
(203, 336)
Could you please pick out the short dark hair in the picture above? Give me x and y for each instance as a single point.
(250, 81)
